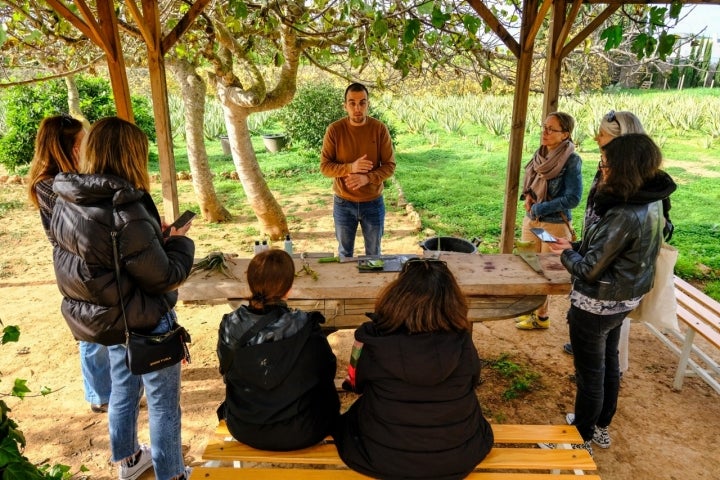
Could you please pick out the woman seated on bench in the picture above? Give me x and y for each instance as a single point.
(417, 368)
(278, 366)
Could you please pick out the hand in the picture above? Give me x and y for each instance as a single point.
(529, 202)
(560, 245)
(362, 165)
(356, 180)
(179, 232)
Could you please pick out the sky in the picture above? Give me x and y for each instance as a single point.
(702, 16)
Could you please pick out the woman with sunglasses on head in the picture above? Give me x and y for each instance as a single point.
(57, 149)
(551, 189)
(416, 368)
(612, 268)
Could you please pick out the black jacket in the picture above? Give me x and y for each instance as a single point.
(88, 210)
(418, 416)
(616, 258)
(280, 384)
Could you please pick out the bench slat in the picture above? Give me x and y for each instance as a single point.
(229, 473)
(710, 334)
(697, 295)
(504, 433)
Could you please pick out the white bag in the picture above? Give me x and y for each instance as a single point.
(659, 306)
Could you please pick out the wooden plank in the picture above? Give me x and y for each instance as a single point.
(699, 326)
(477, 275)
(504, 433)
(537, 459)
(229, 473)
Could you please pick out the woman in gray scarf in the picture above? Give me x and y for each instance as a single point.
(551, 189)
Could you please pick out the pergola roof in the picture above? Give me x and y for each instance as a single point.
(102, 29)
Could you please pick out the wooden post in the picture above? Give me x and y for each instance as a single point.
(517, 127)
(161, 110)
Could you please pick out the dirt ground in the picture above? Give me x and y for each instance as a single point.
(657, 433)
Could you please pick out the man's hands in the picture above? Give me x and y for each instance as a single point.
(357, 178)
(362, 165)
(559, 245)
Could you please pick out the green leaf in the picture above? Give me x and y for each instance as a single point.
(20, 388)
(412, 30)
(675, 8)
(666, 44)
(439, 18)
(11, 333)
(380, 27)
(638, 45)
(486, 83)
(657, 15)
(612, 36)
(426, 8)
(472, 23)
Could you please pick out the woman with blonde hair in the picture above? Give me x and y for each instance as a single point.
(105, 219)
(57, 149)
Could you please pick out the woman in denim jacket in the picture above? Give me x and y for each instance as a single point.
(551, 189)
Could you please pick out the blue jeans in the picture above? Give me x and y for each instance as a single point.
(594, 339)
(162, 390)
(95, 368)
(371, 217)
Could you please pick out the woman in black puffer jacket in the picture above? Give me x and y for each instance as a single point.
(106, 207)
(416, 367)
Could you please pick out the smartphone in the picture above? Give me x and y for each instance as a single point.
(181, 221)
(543, 235)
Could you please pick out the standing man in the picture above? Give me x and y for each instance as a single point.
(357, 154)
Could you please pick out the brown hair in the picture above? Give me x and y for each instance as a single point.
(356, 87)
(424, 298)
(270, 276)
(54, 143)
(632, 160)
(567, 122)
(117, 147)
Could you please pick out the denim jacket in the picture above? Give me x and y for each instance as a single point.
(564, 191)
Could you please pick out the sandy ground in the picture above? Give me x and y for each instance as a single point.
(657, 433)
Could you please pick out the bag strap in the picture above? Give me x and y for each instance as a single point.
(567, 222)
(116, 258)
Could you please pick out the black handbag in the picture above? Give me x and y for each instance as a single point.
(148, 353)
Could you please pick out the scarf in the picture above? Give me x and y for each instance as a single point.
(544, 166)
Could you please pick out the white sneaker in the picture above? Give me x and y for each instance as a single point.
(144, 462)
(570, 418)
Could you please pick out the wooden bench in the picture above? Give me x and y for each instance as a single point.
(700, 314)
(510, 459)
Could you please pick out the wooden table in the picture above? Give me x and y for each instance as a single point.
(497, 286)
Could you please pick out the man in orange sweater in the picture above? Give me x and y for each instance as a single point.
(357, 154)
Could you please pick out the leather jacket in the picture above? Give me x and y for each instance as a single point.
(616, 258)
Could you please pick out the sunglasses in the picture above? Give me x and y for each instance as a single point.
(610, 117)
(427, 263)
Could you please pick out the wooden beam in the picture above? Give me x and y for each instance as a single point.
(116, 62)
(495, 25)
(161, 109)
(182, 26)
(536, 24)
(567, 25)
(553, 60)
(517, 128)
(90, 29)
(592, 26)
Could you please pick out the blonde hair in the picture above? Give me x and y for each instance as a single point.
(114, 146)
(54, 144)
(620, 123)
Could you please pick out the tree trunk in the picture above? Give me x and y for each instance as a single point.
(192, 88)
(268, 211)
(74, 100)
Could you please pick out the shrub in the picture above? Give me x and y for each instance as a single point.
(314, 108)
(27, 105)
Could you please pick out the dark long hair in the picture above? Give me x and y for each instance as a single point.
(54, 145)
(270, 276)
(632, 160)
(424, 298)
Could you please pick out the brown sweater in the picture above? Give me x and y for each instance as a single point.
(344, 143)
